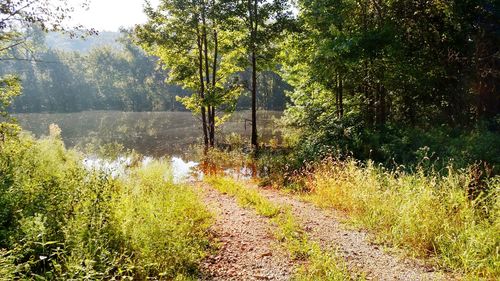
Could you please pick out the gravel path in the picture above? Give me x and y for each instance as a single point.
(247, 249)
(362, 256)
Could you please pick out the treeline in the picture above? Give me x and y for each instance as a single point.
(383, 79)
(59, 74)
(365, 74)
(102, 79)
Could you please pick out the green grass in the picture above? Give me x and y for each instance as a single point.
(319, 265)
(165, 224)
(427, 214)
(59, 221)
(245, 197)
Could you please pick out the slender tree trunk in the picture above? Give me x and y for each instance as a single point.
(341, 97)
(381, 108)
(253, 24)
(211, 118)
(202, 89)
(214, 81)
(369, 99)
(254, 102)
(337, 101)
(216, 54)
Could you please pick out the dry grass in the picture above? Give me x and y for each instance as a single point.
(429, 215)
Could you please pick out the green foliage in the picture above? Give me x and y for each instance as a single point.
(382, 79)
(104, 72)
(391, 61)
(104, 78)
(196, 44)
(10, 88)
(246, 197)
(60, 221)
(427, 214)
(164, 224)
(54, 212)
(391, 145)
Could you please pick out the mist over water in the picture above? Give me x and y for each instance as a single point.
(156, 134)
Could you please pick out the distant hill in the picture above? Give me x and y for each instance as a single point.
(63, 42)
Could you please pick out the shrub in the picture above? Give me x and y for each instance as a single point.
(395, 144)
(164, 224)
(430, 215)
(61, 221)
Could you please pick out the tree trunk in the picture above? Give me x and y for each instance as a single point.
(335, 86)
(211, 118)
(486, 83)
(253, 23)
(214, 75)
(340, 97)
(202, 90)
(370, 107)
(381, 108)
(254, 103)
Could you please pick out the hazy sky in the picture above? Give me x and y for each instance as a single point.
(109, 15)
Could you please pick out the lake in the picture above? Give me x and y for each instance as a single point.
(150, 133)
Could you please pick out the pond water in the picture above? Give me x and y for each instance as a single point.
(181, 170)
(156, 134)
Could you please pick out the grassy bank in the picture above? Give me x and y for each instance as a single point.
(61, 221)
(320, 265)
(452, 218)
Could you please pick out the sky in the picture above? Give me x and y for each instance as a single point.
(109, 15)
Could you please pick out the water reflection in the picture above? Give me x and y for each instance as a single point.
(149, 133)
(115, 168)
(245, 172)
(181, 170)
(184, 171)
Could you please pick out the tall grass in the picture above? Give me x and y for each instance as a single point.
(59, 221)
(428, 214)
(246, 197)
(164, 224)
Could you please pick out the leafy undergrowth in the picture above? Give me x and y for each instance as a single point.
(455, 219)
(164, 224)
(320, 265)
(60, 221)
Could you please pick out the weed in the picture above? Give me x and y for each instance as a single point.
(61, 221)
(428, 214)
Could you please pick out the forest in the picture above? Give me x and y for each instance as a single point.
(383, 162)
(101, 72)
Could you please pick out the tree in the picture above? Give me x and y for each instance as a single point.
(9, 89)
(16, 15)
(264, 22)
(362, 67)
(49, 15)
(195, 42)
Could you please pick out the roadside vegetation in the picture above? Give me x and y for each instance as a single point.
(61, 221)
(448, 216)
(452, 217)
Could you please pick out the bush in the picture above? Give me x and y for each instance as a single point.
(54, 212)
(164, 224)
(61, 221)
(395, 144)
(427, 214)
